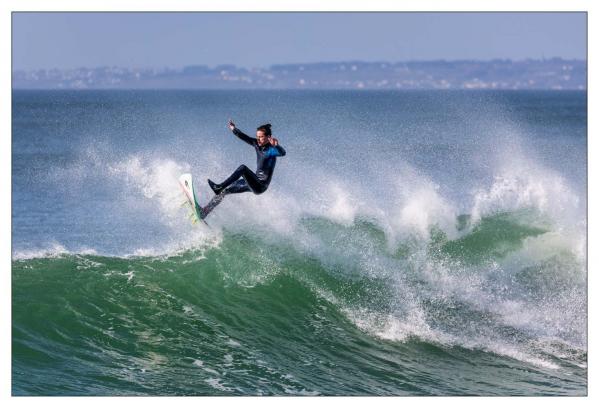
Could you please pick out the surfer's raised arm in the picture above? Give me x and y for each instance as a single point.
(240, 134)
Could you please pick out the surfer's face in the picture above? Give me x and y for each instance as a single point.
(262, 138)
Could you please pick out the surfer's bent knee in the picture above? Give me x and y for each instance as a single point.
(259, 190)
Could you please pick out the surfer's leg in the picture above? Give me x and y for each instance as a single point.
(240, 186)
(217, 188)
(212, 204)
(242, 172)
(254, 183)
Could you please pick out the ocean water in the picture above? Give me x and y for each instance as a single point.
(410, 243)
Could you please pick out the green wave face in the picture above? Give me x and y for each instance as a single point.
(353, 315)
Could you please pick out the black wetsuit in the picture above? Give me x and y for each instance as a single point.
(243, 179)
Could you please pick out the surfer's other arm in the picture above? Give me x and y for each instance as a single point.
(240, 134)
(276, 148)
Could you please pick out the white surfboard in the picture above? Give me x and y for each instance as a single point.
(186, 183)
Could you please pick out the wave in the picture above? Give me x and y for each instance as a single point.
(503, 286)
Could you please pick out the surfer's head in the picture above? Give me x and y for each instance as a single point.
(263, 133)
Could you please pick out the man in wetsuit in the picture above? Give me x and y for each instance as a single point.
(243, 179)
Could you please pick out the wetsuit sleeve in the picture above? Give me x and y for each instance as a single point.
(275, 151)
(244, 137)
(280, 150)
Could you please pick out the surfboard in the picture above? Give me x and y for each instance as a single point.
(186, 183)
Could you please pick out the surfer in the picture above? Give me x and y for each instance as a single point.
(243, 179)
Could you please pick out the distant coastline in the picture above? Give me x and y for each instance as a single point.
(554, 73)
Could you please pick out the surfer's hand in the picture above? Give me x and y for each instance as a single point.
(231, 125)
(273, 141)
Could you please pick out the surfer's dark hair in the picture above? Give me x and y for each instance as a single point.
(265, 129)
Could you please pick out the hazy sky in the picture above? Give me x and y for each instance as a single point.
(70, 40)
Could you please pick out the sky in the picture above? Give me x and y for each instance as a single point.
(157, 40)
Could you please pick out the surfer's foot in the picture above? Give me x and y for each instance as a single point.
(215, 187)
